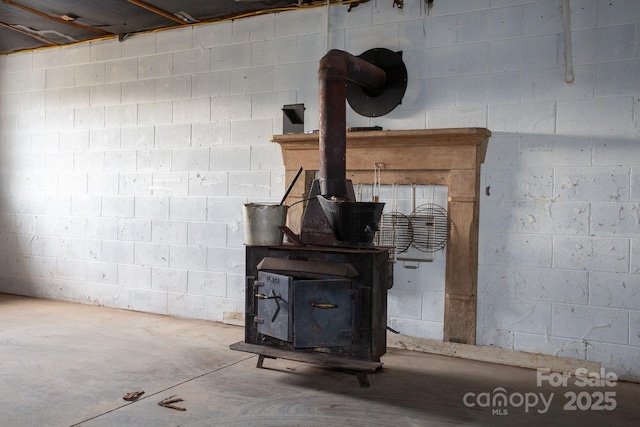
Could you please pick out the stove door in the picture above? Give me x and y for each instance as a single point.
(273, 313)
(323, 313)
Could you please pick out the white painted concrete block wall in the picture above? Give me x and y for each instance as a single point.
(124, 166)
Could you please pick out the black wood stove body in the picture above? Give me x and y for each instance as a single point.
(324, 300)
(323, 305)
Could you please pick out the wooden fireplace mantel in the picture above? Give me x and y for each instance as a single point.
(449, 157)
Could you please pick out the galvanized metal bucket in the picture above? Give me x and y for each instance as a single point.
(261, 222)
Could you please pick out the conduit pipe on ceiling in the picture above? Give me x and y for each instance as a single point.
(568, 59)
(336, 67)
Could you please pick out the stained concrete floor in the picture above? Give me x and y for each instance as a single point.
(64, 364)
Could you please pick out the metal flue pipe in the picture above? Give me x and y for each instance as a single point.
(336, 67)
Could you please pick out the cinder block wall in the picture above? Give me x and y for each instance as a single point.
(124, 165)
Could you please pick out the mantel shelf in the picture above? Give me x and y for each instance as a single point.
(398, 150)
(418, 137)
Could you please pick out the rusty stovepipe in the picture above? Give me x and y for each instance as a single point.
(336, 67)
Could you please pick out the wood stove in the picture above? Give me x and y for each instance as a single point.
(323, 305)
(324, 300)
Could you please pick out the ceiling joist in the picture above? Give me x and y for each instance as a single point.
(56, 19)
(157, 11)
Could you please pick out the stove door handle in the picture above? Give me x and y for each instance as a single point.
(324, 305)
(263, 296)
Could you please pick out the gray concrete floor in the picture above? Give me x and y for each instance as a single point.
(64, 364)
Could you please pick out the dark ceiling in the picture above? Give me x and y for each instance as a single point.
(31, 24)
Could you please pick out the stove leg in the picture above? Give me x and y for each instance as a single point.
(362, 379)
(261, 358)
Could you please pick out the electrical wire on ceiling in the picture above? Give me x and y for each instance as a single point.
(43, 33)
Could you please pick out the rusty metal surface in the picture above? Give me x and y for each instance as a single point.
(298, 267)
(315, 228)
(336, 67)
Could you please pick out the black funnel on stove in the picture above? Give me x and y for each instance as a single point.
(354, 224)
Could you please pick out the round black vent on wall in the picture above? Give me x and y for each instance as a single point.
(378, 103)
